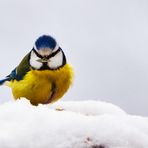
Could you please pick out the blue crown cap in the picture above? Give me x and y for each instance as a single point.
(45, 41)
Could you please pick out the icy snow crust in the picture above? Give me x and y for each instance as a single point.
(83, 124)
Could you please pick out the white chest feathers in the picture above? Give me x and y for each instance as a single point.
(53, 63)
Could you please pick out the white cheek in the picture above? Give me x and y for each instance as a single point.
(33, 61)
(56, 61)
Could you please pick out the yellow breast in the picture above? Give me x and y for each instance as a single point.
(36, 86)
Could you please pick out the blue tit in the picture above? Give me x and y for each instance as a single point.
(43, 76)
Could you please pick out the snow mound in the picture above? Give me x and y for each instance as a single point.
(89, 107)
(83, 124)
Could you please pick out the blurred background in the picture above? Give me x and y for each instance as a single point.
(106, 42)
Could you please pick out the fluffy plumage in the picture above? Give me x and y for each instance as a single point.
(38, 86)
(43, 76)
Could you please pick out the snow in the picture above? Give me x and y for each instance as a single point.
(89, 107)
(70, 124)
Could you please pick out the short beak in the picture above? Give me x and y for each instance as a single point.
(44, 60)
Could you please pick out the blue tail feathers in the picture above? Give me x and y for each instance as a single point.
(4, 80)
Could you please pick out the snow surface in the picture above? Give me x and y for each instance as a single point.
(82, 124)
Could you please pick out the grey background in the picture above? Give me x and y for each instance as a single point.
(106, 41)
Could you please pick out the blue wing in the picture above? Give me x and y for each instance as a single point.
(19, 72)
(13, 76)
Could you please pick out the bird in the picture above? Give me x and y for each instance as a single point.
(43, 76)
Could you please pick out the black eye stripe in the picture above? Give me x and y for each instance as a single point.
(53, 54)
(48, 57)
(37, 53)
